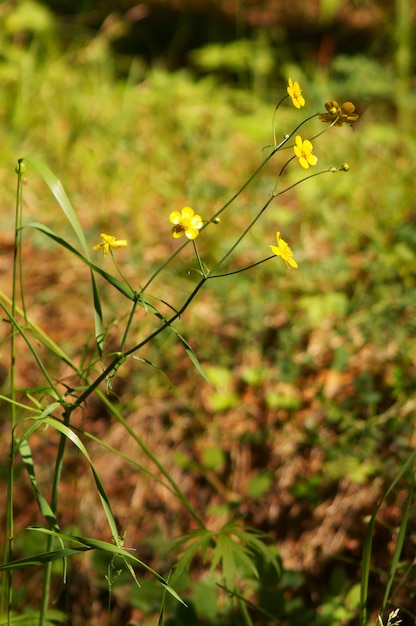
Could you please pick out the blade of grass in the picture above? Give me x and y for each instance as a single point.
(61, 197)
(89, 543)
(398, 547)
(73, 437)
(45, 509)
(121, 286)
(368, 539)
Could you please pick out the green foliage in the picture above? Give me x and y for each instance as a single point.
(311, 373)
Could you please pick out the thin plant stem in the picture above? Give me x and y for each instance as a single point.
(176, 489)
(242, 269)
(54, 505)
(201, 267)
(128, 325)
(119, 270)
(217, 214)
(241, 237)
(250, 226)
(275, 148)
(92, 386)
(6, 590)
(122, 356)
(274, 117)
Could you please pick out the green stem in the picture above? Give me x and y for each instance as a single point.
(128, 325)
(54, 506)
(275, 148)
(123, 278)
(241, 237)
(250, 226)
(201, 267)
(17, 328)
(242, 269)
(6, 588)
(175, 487)
(274, 117)
(218, 213)
(122, 356)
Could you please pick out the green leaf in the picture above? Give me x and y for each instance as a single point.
(73, 437)
(213, 458)
(31, 618)
(45, 509)
(43, 557)
(118, 284)
(89, 543)
(59, 192)
(191, 354)
(368, 539)
(259, 484)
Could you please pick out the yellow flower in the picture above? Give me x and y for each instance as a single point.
(109, 241)
(186, 222)
(284, 251)
(304, 152)
(295, 92)
(338, 115)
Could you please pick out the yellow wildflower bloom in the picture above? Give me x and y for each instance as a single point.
(304, 152)
(186, 222)
(109, 241)
(284, 251)
(339, 114)
(295, 92)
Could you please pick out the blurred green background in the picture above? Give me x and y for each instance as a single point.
(143, 108)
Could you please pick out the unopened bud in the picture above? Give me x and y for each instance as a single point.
(21, 167)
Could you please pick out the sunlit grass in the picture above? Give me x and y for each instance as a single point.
(323, 358)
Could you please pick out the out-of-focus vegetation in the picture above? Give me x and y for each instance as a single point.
(310, 414)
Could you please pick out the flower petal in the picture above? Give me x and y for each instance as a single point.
(187, 213)
(175, 217)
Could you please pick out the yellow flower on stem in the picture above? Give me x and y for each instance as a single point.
(339, 115)
(186, 223)
(284, 251)
(304, 152)
(109, 241)
(295, 92)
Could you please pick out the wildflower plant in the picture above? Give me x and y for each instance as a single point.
(109, 242)
(234, 549)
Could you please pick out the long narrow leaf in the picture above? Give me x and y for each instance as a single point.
(73, 437)
(398, 548)
(191, 354)
(43, 505)
(368, 540)
(118, 284)
(59, 192)
(31, 618)
(90, 543)
(43, 557)
(41, 335)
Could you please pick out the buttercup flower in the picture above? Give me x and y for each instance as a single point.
(186, 222)
(304, 152)
(339, 114)
(295, 92)
(284, 251)
(109, 241)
